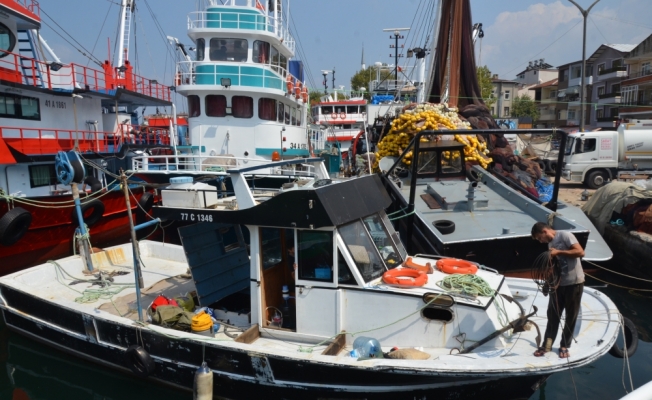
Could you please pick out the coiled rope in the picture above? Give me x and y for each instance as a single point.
(468, 284)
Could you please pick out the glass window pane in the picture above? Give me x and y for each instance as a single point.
(201, 43)
(293, 113)
(284, 62)
(351, 109)
(215, 105)
(11, 105)
(242, 106)
(7, 40)
(194, 108)
(287, 115)
(383, 242)
(3, 106)
(41, 175)
(326, 110)
(274, 58)
(29, 108)
(344, 275)
(267, 109)
(427, 163)
(228, 50)
(280, 113)
(271, 246)
(363, 251)
(452, 163)
(315, 255)
(260, 52)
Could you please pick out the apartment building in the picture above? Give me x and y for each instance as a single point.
(569, 92)
(609, 70)
(545, 95)
(504, 92)
(536, 73)
(636, 88)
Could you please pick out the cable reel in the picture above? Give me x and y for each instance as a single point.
(69, 168)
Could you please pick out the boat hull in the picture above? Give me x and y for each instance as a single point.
(242, 374)
(51, 232)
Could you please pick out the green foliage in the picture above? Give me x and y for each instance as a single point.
(524, 106)
(362, 78)
(314, 96)
(486, 87)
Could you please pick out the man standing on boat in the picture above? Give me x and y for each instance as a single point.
(568, 295)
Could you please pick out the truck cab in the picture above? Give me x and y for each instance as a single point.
(595, 157)
(591, 157)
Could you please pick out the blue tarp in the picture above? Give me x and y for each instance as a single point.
(544, 188)
(296, 69)
(381, 98)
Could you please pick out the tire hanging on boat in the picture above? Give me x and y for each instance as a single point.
(94, 183)
(145, 204)
(94, 216)
(14, 225)
(139, 361)
(630, 339)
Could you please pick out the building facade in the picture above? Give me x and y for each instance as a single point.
(569, 92)
(504, 92)
(545, 96)
(636, 88)
(609, 70)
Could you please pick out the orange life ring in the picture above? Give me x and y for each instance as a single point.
(405, 277)
(342, 115)
(424, 268)
(334, 115)
(456, 266)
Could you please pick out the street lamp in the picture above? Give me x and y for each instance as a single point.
(585, 13)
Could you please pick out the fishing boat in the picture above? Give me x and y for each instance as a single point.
(247, 99)
(50, 106)
(290, 331)
(462, 210)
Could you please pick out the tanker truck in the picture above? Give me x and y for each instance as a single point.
(593, 158)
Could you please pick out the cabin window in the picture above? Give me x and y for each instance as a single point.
(280, 114)
(427, 163)
(299, 117)
(260, 53)
(42, 175)
(382, 240)
(326, 110)
(351, 109)
(231, 237)
(585, 145)
(315, 252)
(344, 275)
(274, 58)
(20, 107)
(243, 106)
(452, 162)
(293, 114)
(287, 115)
(201, 43)
(271, 248)
(194, 107)
(228, 50)
(363, 109)
(7, 40)
(284, 62)
(267, 109)
(363, 250)
(215, 105)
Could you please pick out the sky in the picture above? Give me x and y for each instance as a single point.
(331, 34)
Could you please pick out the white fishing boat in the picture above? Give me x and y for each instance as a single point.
(297, 343)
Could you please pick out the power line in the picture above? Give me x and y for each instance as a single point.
(621, 20)
(86, 53)
(546, 48)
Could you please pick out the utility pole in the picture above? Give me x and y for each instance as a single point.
(325, 73)
(396, 36)
(585, 13)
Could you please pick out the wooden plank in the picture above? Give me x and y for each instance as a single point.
(249, 336)
(430, 201)
(336, 345)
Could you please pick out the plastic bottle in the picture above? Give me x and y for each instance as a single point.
(366, 347)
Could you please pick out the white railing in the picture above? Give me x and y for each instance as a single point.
(218, 165)
(240, 20)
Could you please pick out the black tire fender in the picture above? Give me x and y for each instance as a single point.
(94, 183)
(146, 202)
(138, 360)
(630, 341)
(444, 226)
(95, 215)
(553, 166)
(14, 225)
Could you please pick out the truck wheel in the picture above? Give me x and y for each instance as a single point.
(553, 166)
(596, 179)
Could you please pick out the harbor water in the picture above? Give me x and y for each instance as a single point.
(31, 370)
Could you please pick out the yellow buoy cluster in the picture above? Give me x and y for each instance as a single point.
(428, 116)
(425, 116)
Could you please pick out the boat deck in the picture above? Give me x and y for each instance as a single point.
(164, 273)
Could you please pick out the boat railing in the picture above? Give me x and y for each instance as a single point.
(241, 19)
(56, 76)
(32, 5)
(211, 73)
(218, 164)
(45, 141)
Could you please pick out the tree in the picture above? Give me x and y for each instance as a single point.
(524, 106)
(362, 78)
(486, 87)
(314, 96)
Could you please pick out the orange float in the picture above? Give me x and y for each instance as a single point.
(456, 266)
(304, 94)
(290, 84)
(424, 268)
(405, 277)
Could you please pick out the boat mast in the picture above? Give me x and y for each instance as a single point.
(126, 9)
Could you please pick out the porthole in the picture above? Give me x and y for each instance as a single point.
(7, 40)
(437, 314)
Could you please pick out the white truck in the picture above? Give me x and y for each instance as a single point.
(595, 157)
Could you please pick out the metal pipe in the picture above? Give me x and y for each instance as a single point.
(134, 240)
(585, 13)
(146, 224)
(82, 227)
